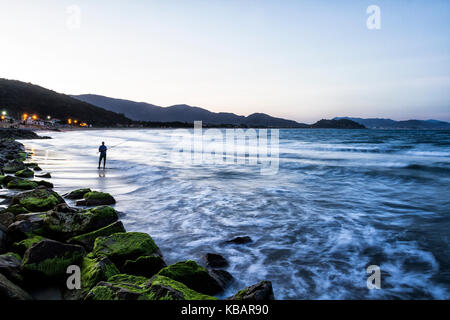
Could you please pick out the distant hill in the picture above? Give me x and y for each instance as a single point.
(337, 124)
(19, 97)
(141, 111)
(377, 123)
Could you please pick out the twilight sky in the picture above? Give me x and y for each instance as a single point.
(303, 60)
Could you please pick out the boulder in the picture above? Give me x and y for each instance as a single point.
(10, 266)
(240, 240)
(25, 173)
(146, 266)
(22, 246)
(258, 292)
(16, 209)
(22, 184)
(87, 240)
(37, 168)
(43, 175)
(10, 291)
(12, 166)
(223, 277)
(94, 270)
(77, 194)
(123, 246)
(192, 275)
(50, 259)
(19, 230)
(45, 184)
(6, 218)
(95, 198)
(38, 200)
(214, 260)
(65, 223)
(3, 238)
(128, 287)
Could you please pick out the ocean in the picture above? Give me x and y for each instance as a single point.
(336, 202)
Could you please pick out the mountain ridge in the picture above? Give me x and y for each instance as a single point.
(142, 111)
(386, 123)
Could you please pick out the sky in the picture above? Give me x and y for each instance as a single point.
(302, 60)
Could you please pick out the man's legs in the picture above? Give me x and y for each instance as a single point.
(104, 161)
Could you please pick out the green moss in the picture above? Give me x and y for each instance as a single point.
(77, 194)
(101, 293)
(1, 179)
(16, 209)
(53, 267)
(11, 254)
(122, 246)
(25, 173)
(191, 274)
(188, 293)
(39, 204)
(22, 246)
(95, 195)
(22, 156)
(22, 184)
(96, 270)
(88, 239)
(103, 211)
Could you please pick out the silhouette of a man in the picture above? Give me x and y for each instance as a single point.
(102, 149)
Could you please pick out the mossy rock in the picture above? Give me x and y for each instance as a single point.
(258, 292)
(30, 164)
(21, 246)
(45, 184)
(95, 198)
(1, 179)
(146, 266)
(70, 223)
(94, 270)
(128, 287)
(37, 168)
(193, 276)
(25, 173)
(13, 166)
(77, 194)
(22, 156)
(8, 179)
(16, 209)
(38, 200)
(10, 266)
(164, 288)
(87, 240)
(122, 246)
(50, 259)
(22, 184)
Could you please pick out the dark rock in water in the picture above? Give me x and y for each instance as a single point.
(45, 184)
(10, 291)
(87, 240)
(214, 260)
(50, 259)
(223, 277)
(146, 266)
(10, 266)
(6, 218)
(8, 179)
(16, 209)
(37, 168)
(193, 276)
(44, 175)
(77, 194)
(240, 240)
(258, 292)
(95, 198)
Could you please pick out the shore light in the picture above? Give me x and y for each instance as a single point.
(3, 113)
(34, 117)
(25, 116)
(69, 121)
(75, 121)
(48, 117)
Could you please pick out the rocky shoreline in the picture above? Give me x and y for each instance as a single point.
(84, 252)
